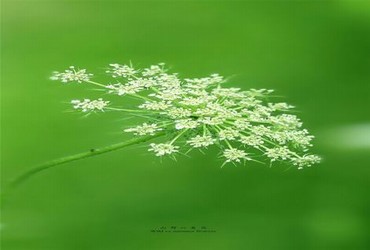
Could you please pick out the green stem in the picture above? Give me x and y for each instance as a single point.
(177, 137)
(93, 152)
(97, 84)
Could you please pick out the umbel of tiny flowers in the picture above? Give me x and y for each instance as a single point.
(196, 114)
(200, 113)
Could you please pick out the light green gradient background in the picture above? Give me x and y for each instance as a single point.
(315, 54)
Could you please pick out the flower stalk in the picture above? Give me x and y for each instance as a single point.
(92, 152)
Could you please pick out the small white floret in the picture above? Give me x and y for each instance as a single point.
(201, 141)
(235, 155)
(72, 75)
(163, 149)
(89, 105)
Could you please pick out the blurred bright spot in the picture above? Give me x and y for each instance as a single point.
(357, 9)
(335, 225)
(349, 137)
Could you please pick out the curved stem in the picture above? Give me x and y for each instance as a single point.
(93, 152)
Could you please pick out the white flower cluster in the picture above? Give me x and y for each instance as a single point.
(200, 113)
(71, 75)
(161, 149)
(87, 105)
(145, 129)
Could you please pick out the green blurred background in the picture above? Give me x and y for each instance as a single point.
(314, 54)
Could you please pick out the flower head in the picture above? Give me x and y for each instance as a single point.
(144, 129)
(200, 141)
(87, 105)
(163, 148)
(117, 70)
(186, 124)
(201, 113)
(251, 140)
(306, 161)
(235, 155)
(71, 75)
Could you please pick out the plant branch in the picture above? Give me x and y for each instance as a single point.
(93, 152)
